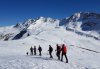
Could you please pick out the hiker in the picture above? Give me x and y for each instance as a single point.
(50, 51)
(40, 49)
(31, 50)
(58, 49)
(34, 50)
(64, 51)
(26, 53)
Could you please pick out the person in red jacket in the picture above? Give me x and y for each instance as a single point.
(64, 51)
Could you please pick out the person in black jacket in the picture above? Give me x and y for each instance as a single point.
(31, 50)
(50, 51)
(34, 50)
(26, 53)
(40, 49)
(58, 49)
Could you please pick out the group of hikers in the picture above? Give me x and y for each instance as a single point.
(60, 51)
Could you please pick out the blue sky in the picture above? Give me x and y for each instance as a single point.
(13, 11)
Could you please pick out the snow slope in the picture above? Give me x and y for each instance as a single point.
(13, 52)
(8, 32)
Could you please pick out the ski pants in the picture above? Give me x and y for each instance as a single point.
(50, 54)
(58, 55)
(64, 54)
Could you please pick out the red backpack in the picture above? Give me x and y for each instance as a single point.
(64, 49)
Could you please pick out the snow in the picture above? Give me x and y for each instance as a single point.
(13, 52)
(83, 52)
(8, 29)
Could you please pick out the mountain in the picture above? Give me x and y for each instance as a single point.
(83, 47)
(35, 26)
(83, 23)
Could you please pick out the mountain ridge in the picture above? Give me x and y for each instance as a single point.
(85, 23)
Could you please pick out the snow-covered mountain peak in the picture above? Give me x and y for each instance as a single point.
(43, 22)
(87, 20)
(41, 17)
(76, 16)
(28, 22)
(46, 19)
(33, 23)
(81, 22)
(83, 16)
(84, 22)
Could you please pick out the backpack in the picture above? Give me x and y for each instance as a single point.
(64, 49)
(58, 48)
(51, 49)
(40, 49)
